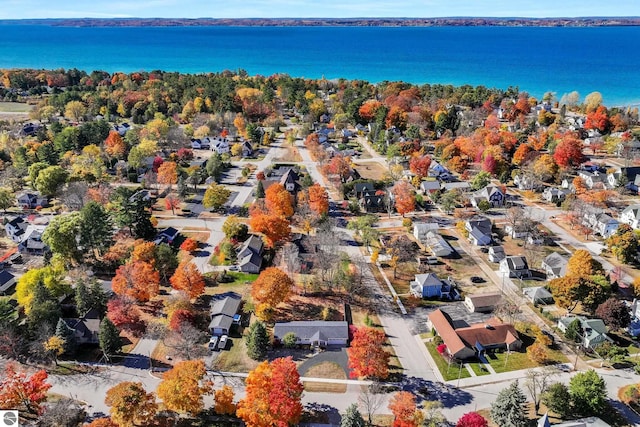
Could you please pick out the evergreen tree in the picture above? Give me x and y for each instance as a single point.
(166, 261)
(82, 298)
(257, 341)
(96, 228)
(352, 418)
(508, 409)
(259, 190)
(558, 399)
(98, 297)
(182, 188)
(110, 343)
(68, 336)
(45, 310)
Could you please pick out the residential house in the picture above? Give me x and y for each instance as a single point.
(247, 149)
(250, 255)
(515, 266)
(465, 342)
(491, 193)
(634, 326)
(437, 244)
(373, 202)
(482, 303)
(218, 144)
(15, 229)
(555, 265)
(6, 280)
(594, 331)
(631, 216)
(430, 286)
(289, 180)
(463, 186)
(629, 177)
(32, 240)
(86, 328)
(141, 195)
(168, 235)
(527, 182)
(363, 188)
(224, 313)
(122, 129)
(479, 229)
(430, 186)
(436, 170)
(593, 180)
(600, 222)
(420, 229)
(582, 422)
(317, 333)
(517, 231)
(538, 295)
(28, 200)
(496, 253)
(196, 144)
(554, 195)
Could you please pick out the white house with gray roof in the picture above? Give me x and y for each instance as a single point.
(594, 331)
(224, 313)
(555, 265)
(318, 333)
(631, 216)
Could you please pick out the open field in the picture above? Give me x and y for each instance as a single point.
(371, 170)
(326, 370)
(15, 107)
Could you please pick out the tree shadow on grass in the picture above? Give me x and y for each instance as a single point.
(428, 390)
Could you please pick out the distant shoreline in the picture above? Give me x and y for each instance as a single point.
(333, 22)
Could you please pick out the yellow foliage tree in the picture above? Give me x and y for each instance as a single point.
(130, 404)
(182, 388)
(224, 401)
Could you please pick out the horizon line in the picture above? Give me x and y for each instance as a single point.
(334, 18)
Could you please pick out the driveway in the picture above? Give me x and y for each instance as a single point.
(334, 355)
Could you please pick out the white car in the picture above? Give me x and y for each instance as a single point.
(213, 343)
(222, 344)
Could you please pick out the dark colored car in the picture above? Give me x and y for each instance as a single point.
(476, 279)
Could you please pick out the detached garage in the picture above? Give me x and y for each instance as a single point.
(316, 332)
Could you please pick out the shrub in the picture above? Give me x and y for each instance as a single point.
(289, 340)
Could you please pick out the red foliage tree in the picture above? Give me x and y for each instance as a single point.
(17, 391)
(157, 162)
(569, 151)
(369, 109)
(404, 196)
(171, 202)
(367, 357)
(339, 166)
(179, 317)
(599, 120)
(123, 313)
(420, 165)
(184, 154)
(260, 176)
(472, 419)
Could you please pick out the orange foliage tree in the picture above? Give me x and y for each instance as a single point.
(188, 278)
(569, 151)
(130, 404)
(168, 173)
(420, 165)
(144, 251)
(182, 388)
(114, 145)
(224, 401)
(189, 245)
(136, 279)
(17, 391)
(318, 199)
(369, 109)
(404, 409)
(274, 228)
(273, 394)
(272, 287)
(599, 120)
(278, 201)
(367, 358)
(339, 166)
(521, 154)
(404, 196)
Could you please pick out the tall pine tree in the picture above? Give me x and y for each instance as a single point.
(82, 298)
(68, 336)
(508, 410)
(352, 418)
(110, 342)
(257, 341)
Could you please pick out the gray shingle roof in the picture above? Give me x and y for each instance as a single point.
(306, 330)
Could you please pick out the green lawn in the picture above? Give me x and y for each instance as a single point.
(514, 361)
(448, 372)
(478, 368)
(240, 278)
(14, 107)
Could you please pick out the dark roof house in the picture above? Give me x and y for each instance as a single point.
(316, 332)
(223, 313)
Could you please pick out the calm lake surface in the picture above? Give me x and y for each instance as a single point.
(534, 59)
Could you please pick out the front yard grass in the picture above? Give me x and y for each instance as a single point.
(235, 359)
(478, 368)
(448, 372)
(515, 360)
(330, 370)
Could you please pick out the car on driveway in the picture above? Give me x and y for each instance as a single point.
(222, 344)
(476, 279)
(213, 343)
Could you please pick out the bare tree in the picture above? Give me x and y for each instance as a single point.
(288, 258)
(63, 413)
(74, 195)
(538, 381)
(371, 399)
(187, 342)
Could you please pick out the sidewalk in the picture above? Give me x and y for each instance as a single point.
(498, 378)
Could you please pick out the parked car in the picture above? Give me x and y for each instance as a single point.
(222, 344)
(213, 343)
(476, 279)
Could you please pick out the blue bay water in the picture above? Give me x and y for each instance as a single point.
(534, 59)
